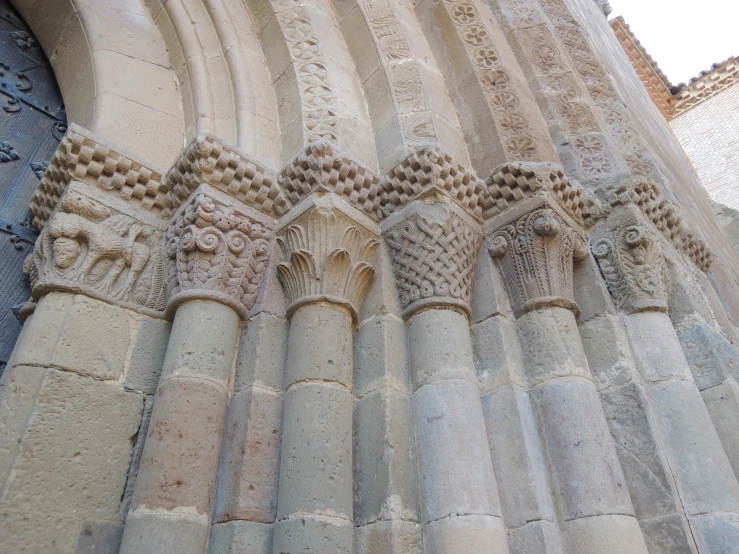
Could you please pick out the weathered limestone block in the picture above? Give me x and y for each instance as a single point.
(668, 534)
(99, 538)
(606, 534)
(262, 351)
(380, 537)
(649, 485)
(147, 359)
(381, 357)
(384, 458)
(520, 464)
(479, 533)
(498, 355)
(64, 472)
(573, 419)
(712, 358)
(249, 465)
(722, 402)
(536, 537)
(240, 537)
(453, 457)
(607, 351)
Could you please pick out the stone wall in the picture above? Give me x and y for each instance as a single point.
(423, 279)
(708, 133)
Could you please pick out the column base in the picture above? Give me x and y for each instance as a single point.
(313, 534)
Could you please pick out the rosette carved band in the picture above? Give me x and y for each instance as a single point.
(327, 257)
(216, 251)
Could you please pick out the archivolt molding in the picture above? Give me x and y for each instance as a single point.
(320, 117)
(402, 73)
(216, 250)
(89, 247)
(535, 252)
(587, 151)
(112, 82)
(328, 256)
(508, 101)
(433, 252)
(633, 265)
(628, 141)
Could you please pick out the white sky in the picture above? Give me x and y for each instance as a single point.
(684, 37)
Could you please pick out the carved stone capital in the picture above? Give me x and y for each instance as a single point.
(631, 260)
(515, 182)
(431, 171)
(328, 254)
(433, 249)
(216, 249)
(535, 250)
(210, 160)
(324, 168)
(97, 245)
(645, 194)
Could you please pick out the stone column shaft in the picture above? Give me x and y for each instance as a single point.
(433, 245)
(171, 505)
(459, 494)
(535, 244)
(327, 250)
(631, 259)
(216, 249)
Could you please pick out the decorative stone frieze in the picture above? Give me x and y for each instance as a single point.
(328, 255)
(426, 172)
(663, 214)
(535, 247)
(208, 159)
(83, 157)
(433, 250)
(325, 168)
(110, 253)
(631, 260)
(216, 249)
(517, 181)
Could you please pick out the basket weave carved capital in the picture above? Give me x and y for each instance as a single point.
(216, 251)
(433, 255)
(327, 257)
(632, 262)
(535, 253)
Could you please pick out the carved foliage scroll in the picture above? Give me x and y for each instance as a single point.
(215, 252)
(90, 248)
(535, 254)
(433, 261)
(633, 266)
(326, 258)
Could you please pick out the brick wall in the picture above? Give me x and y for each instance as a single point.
(709, 133)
